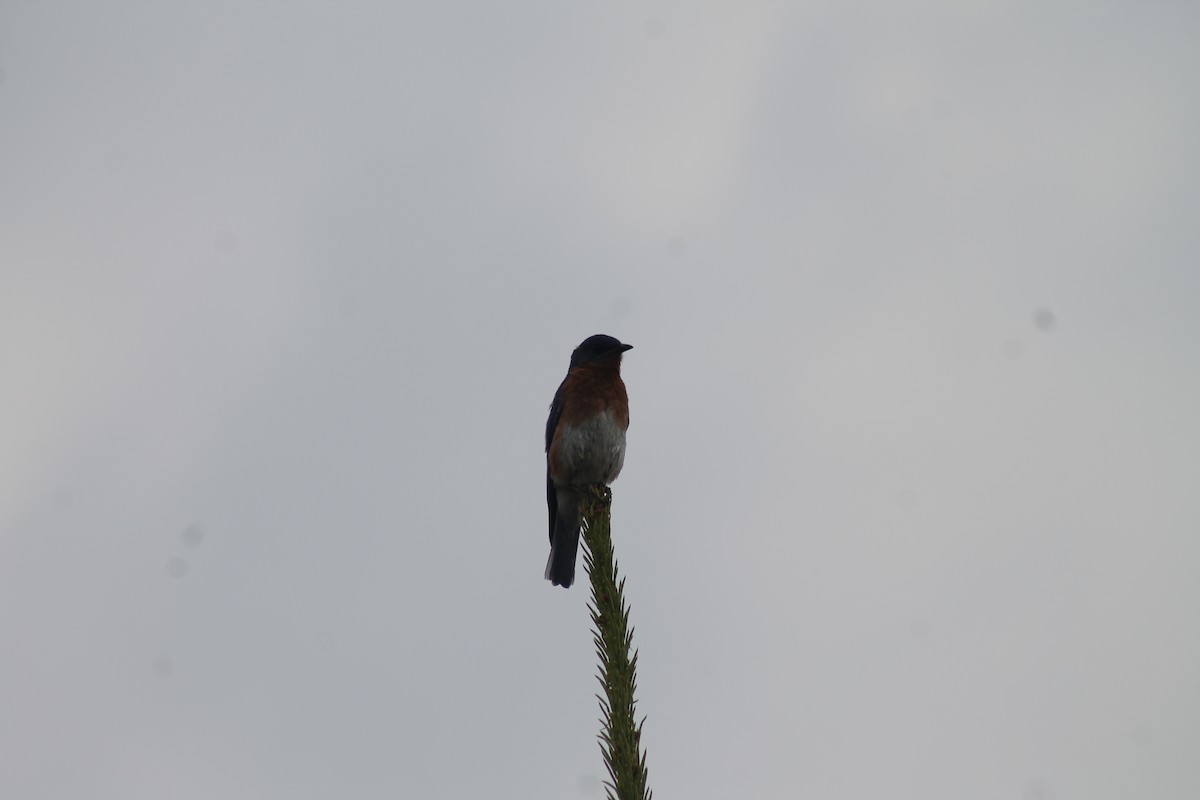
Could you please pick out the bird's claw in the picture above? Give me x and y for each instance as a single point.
(601, 492)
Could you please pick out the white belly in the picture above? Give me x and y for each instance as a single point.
(591, 453)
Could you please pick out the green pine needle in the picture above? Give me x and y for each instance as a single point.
(620, 736)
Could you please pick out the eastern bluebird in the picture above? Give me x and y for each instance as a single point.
(585, 444)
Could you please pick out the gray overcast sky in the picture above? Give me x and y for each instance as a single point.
(910, 508)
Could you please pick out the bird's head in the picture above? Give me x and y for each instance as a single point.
(598, 349)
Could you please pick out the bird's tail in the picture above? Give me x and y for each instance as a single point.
(560, 567)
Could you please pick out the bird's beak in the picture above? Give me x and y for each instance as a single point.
(625, 347)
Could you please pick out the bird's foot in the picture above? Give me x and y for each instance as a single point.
(601, 492)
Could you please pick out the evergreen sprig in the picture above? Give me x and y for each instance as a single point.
(620, 735)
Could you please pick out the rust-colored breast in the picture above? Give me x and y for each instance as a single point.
(592, 390)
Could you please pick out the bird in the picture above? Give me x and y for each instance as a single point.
(585, 444)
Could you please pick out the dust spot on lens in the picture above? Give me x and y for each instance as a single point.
(348, 306)
(226, 241)
(1044, 319)
(677, 247)
(589, 784)
(193, 535)
(1037, 789)
(1141, 736)
(162, 666)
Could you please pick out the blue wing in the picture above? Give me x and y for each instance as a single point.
(556, 408)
